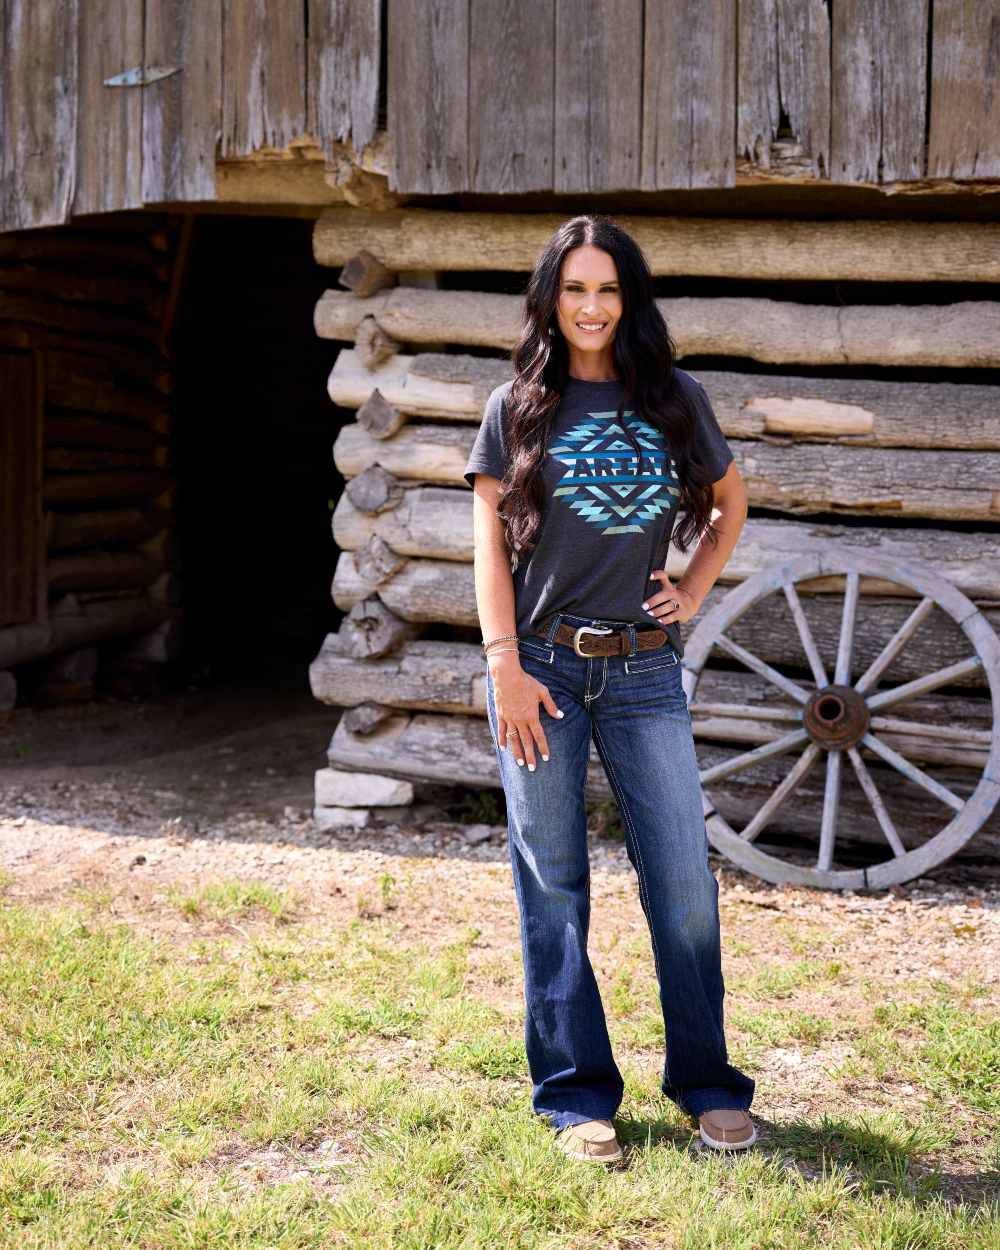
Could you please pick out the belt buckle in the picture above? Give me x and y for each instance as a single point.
(588, 629)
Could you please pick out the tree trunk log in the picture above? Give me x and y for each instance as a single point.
(442, 676)
(964, 334)
(849, 411)
(434, 523)
(432, 591)
(459, 750)
(800, 478)
(66, 630)
(722, 247)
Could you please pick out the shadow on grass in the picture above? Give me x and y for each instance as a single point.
(880, 1160)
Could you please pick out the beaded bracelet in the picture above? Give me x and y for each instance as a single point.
(499, 649)
(499, 638)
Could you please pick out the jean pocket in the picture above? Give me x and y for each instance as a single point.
(662, 657)
(537, 649)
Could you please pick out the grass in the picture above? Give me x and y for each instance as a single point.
(177, 1094)
(232, 898)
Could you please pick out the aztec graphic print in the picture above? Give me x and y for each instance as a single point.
(606, 483)
(607, 512)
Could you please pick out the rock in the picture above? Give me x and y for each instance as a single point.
(337, 787)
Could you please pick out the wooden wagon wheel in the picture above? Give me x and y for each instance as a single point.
(837, 717)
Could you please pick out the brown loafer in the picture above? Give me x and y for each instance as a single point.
(727, 1130)
(594, 1141)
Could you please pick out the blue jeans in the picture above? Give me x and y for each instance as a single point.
(636, 707)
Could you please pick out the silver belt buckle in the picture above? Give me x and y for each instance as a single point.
(588, 629)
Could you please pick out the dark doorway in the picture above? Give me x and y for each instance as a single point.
(254, 438)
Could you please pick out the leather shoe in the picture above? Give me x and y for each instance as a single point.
(727, 1130)
(594, 1141)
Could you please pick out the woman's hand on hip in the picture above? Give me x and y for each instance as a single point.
(670, 603)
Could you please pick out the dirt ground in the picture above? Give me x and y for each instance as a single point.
(126, 798)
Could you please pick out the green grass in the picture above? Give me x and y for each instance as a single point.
(232, 898)
(138, 1075)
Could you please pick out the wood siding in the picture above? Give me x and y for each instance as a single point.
(251, 75)
(494, 96)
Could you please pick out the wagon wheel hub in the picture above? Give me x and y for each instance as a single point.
(836, 717)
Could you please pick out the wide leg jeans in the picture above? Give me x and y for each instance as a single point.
(635, 708)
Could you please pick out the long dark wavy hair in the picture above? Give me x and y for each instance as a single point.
(643, 354)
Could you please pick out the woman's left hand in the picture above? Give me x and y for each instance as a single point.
(661, 603)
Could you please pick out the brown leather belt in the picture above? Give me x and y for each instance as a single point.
(605, 640)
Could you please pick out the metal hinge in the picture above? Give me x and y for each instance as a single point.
(141, 75)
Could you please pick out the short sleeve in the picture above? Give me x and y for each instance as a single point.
(489, 451)
(710, 446)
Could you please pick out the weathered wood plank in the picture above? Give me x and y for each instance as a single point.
(510, 103)
(436, 523)
(343, 77)
(964, 139)
(146, 367)
(425, 590)
(428, 97)
(720, 247)
(64, 283)
(459, 750)
(598, 109)
(965, 334)
(689, 95)
(879, 88)
(263, 89)
(68, 629)
(971, 561)
(441, 676)
(849, 411)
(784, 74)
(38, 102)
(802, 479)
(108, 119)
(182, 114)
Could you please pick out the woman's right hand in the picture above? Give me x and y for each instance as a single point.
(516, 695)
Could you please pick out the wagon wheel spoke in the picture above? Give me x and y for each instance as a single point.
(831, 803)
(761, 666)
(971, 738)
(875, 799)
(845, 647)
(893, 647)
(778, 747)
(788, 784)
(921, 685)
(805, 633)
(745, 711)
(903, 765)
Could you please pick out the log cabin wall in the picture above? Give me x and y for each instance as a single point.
(87, 311)
(872, 421)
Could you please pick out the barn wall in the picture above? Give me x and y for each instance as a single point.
(251, 76)
(489, 98)
(92, 309)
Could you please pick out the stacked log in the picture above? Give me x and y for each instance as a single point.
(918, 460)
(94, 305)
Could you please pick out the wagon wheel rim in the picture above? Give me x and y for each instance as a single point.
(837, 717)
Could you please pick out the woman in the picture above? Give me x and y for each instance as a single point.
(580, 468)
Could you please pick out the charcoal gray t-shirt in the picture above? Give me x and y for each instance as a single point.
(606, 520)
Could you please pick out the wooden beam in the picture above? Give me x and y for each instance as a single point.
(965, 334)
(766, 249)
